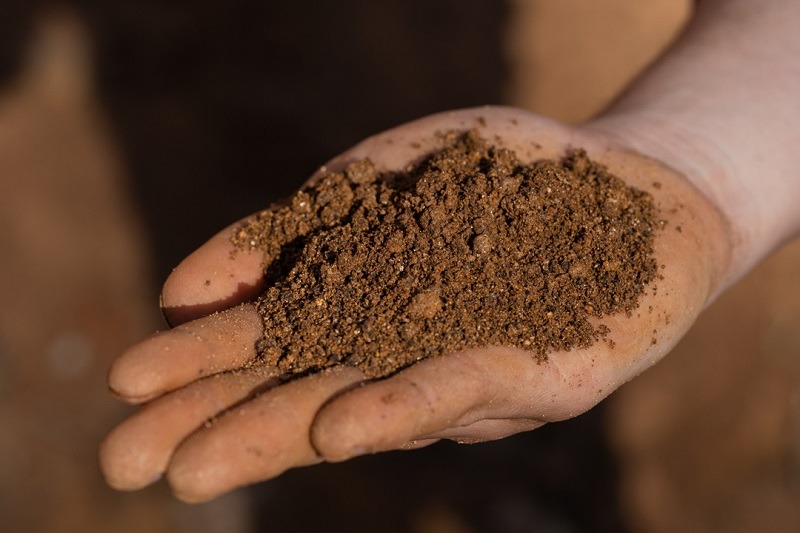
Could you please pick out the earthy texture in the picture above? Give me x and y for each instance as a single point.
(467, 248)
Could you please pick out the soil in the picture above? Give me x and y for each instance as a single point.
(467, 248)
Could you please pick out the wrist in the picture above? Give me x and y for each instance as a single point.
(755, 218)
(720, 109)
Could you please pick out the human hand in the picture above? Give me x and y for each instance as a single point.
(214, 420)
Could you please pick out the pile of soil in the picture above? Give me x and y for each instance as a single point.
(467, 248)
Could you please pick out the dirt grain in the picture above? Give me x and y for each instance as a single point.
(468, 247)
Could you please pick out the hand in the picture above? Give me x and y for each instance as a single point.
(215, 420)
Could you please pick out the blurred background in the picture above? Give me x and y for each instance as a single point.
(131, 131)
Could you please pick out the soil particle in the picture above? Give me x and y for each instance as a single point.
(425, 305)
(469, 247)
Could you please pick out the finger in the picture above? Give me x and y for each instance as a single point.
(214, 277)
(171, 359)
(257, 440)
(385, 414)
(458, 390)
(136, 452)
(487, 430)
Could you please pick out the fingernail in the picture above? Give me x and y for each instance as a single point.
(163, 311)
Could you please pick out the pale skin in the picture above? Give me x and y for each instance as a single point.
(212, 421)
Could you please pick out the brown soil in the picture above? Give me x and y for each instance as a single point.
(467, 248)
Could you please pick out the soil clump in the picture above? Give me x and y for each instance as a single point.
(468, 247)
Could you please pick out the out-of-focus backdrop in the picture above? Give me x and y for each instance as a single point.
(131, 131)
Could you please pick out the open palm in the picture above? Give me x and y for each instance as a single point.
(213, 419)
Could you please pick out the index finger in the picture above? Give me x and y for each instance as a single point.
(214, 277)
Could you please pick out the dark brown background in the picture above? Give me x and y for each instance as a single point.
(131, 131)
